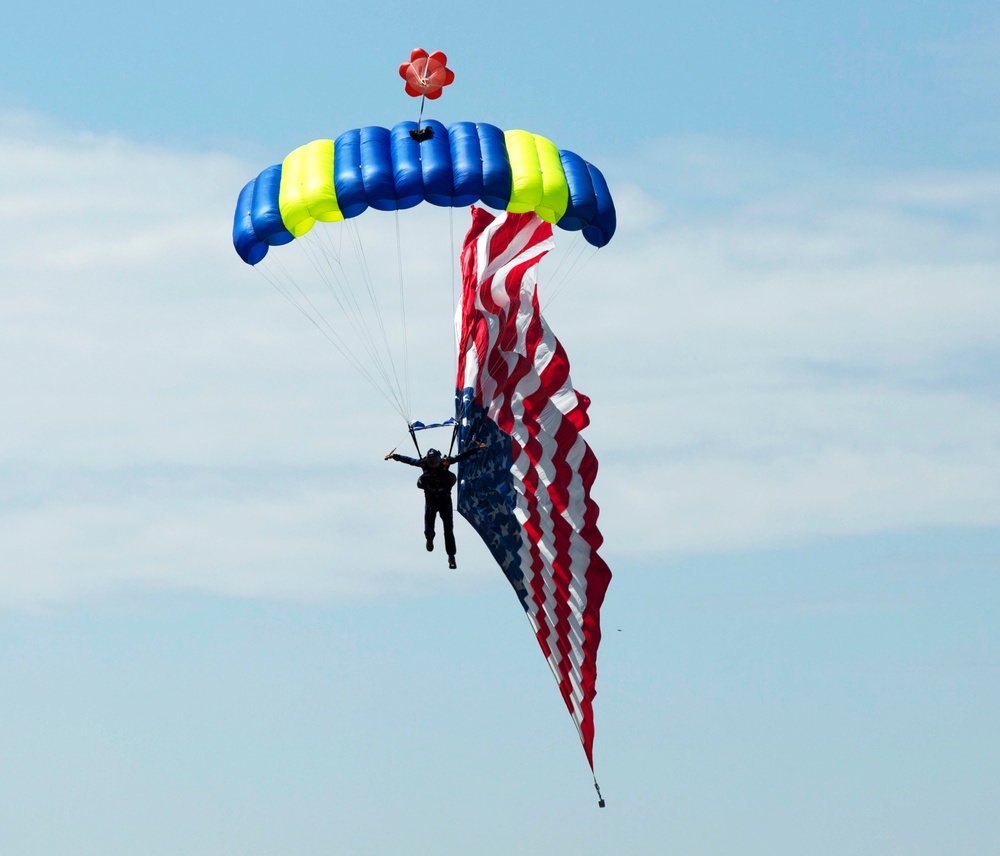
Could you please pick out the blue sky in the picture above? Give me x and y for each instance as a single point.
(219, 632)
(904, 82)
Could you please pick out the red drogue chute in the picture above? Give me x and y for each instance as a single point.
(425, 74)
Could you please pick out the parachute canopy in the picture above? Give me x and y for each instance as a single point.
(388, 170)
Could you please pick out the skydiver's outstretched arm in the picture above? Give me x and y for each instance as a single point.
(403, 459)
(467, 453)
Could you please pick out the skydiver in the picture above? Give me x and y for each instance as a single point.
(436, 481)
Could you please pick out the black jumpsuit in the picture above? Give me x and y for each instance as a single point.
(436, 482)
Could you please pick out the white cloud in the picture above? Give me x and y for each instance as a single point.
(823, 361)
(774, 353)
(325, 532)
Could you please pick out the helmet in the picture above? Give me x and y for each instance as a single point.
(433, 455)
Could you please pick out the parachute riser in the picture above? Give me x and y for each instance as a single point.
(413, 436)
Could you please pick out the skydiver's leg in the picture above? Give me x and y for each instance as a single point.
(429, 512)
(448, 524)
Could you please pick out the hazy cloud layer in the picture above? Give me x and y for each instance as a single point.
(776, 349)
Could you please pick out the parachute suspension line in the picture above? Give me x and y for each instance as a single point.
(326, 261)
(402, 313)
(313, 313)
(330, 335)
(354, 237)
(373, 298)
(572, 262)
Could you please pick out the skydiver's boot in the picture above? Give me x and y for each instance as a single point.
(451, 562)
(430, 544)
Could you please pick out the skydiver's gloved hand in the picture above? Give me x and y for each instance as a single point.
(389, 455)
(481, 444)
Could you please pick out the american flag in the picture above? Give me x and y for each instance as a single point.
(528, 493)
